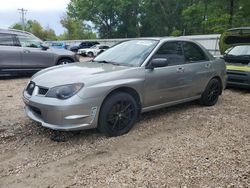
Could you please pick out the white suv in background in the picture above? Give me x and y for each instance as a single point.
(93, 51)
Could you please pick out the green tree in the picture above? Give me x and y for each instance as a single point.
(36, 29)
(75, 29)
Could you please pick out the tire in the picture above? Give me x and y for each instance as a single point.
(90, 54)
(64, 61)
(118, 114)
(212, 92)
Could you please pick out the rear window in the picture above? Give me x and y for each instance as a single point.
(6, 40)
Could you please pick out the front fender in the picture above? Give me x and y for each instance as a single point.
(101, 90)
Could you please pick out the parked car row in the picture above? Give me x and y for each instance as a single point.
(135, 76)
(92, 51)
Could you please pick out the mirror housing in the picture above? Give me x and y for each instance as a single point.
(44, 46)
(158, 62)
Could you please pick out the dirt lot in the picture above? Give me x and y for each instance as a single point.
(183, 146)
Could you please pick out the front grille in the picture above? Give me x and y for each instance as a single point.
(237, 77)
(42, 91)
(30, 88)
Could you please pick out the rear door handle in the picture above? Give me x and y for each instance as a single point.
(180, 69)
(26, 51)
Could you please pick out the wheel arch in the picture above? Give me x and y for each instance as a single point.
(131, 91)
(64, 57)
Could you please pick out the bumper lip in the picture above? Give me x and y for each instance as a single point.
(35, 118)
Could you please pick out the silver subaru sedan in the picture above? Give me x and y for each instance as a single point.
(135, 76)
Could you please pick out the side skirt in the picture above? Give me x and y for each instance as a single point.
(155, 107)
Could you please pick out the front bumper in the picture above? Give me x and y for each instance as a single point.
(238, 78)
(65, 115)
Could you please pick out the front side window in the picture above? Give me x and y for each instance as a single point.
(6, 40)
(172, 51)
(29, 41)
(193, 53)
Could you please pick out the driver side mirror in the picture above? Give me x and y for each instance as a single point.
(158, 62)
(44, 47)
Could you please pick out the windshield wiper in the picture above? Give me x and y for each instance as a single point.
(107, 62)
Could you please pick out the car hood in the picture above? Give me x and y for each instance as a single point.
(60, 51)
(74, 73)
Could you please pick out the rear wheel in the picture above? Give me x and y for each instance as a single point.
(90, 54)
(212, 92)
(64, 61)
(118, 114)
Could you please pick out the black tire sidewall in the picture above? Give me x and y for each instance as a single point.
(63, 60)
(105, 109)
(90, 54)
(204, 97)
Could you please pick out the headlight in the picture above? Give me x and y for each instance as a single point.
(65, 91)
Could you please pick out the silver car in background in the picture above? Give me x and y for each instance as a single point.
(21, 51)
(135, 76)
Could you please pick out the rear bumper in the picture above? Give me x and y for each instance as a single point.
(238, 78)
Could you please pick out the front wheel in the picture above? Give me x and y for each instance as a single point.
(212, 92)
(118, 114)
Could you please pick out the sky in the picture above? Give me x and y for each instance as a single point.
(47, 12)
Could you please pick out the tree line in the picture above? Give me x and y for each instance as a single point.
(148, 18)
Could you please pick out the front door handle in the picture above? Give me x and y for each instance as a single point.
(180, 69)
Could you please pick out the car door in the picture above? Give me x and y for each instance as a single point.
(198, 68)
(33, 55)
(10, 54)
(166, 84)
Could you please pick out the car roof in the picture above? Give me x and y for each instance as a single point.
(15, 32)
(165, 39)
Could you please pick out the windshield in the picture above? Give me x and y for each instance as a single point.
(95, 46)
(240, 50)
(129, 53)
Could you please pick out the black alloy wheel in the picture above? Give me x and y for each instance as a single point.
(118, 114)
(211, 93)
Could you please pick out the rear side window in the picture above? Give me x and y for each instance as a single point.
(6, 40)
(172, 51)
(193, 53)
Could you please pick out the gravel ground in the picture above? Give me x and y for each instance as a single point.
(182, 146)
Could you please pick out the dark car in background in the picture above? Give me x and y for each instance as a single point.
(21, 51)
(83, 45)
(235, 47)
(58, 45)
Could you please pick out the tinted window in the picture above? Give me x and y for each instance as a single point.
(29, 41)
(6, 40)
(172, 51)
(193, 52)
